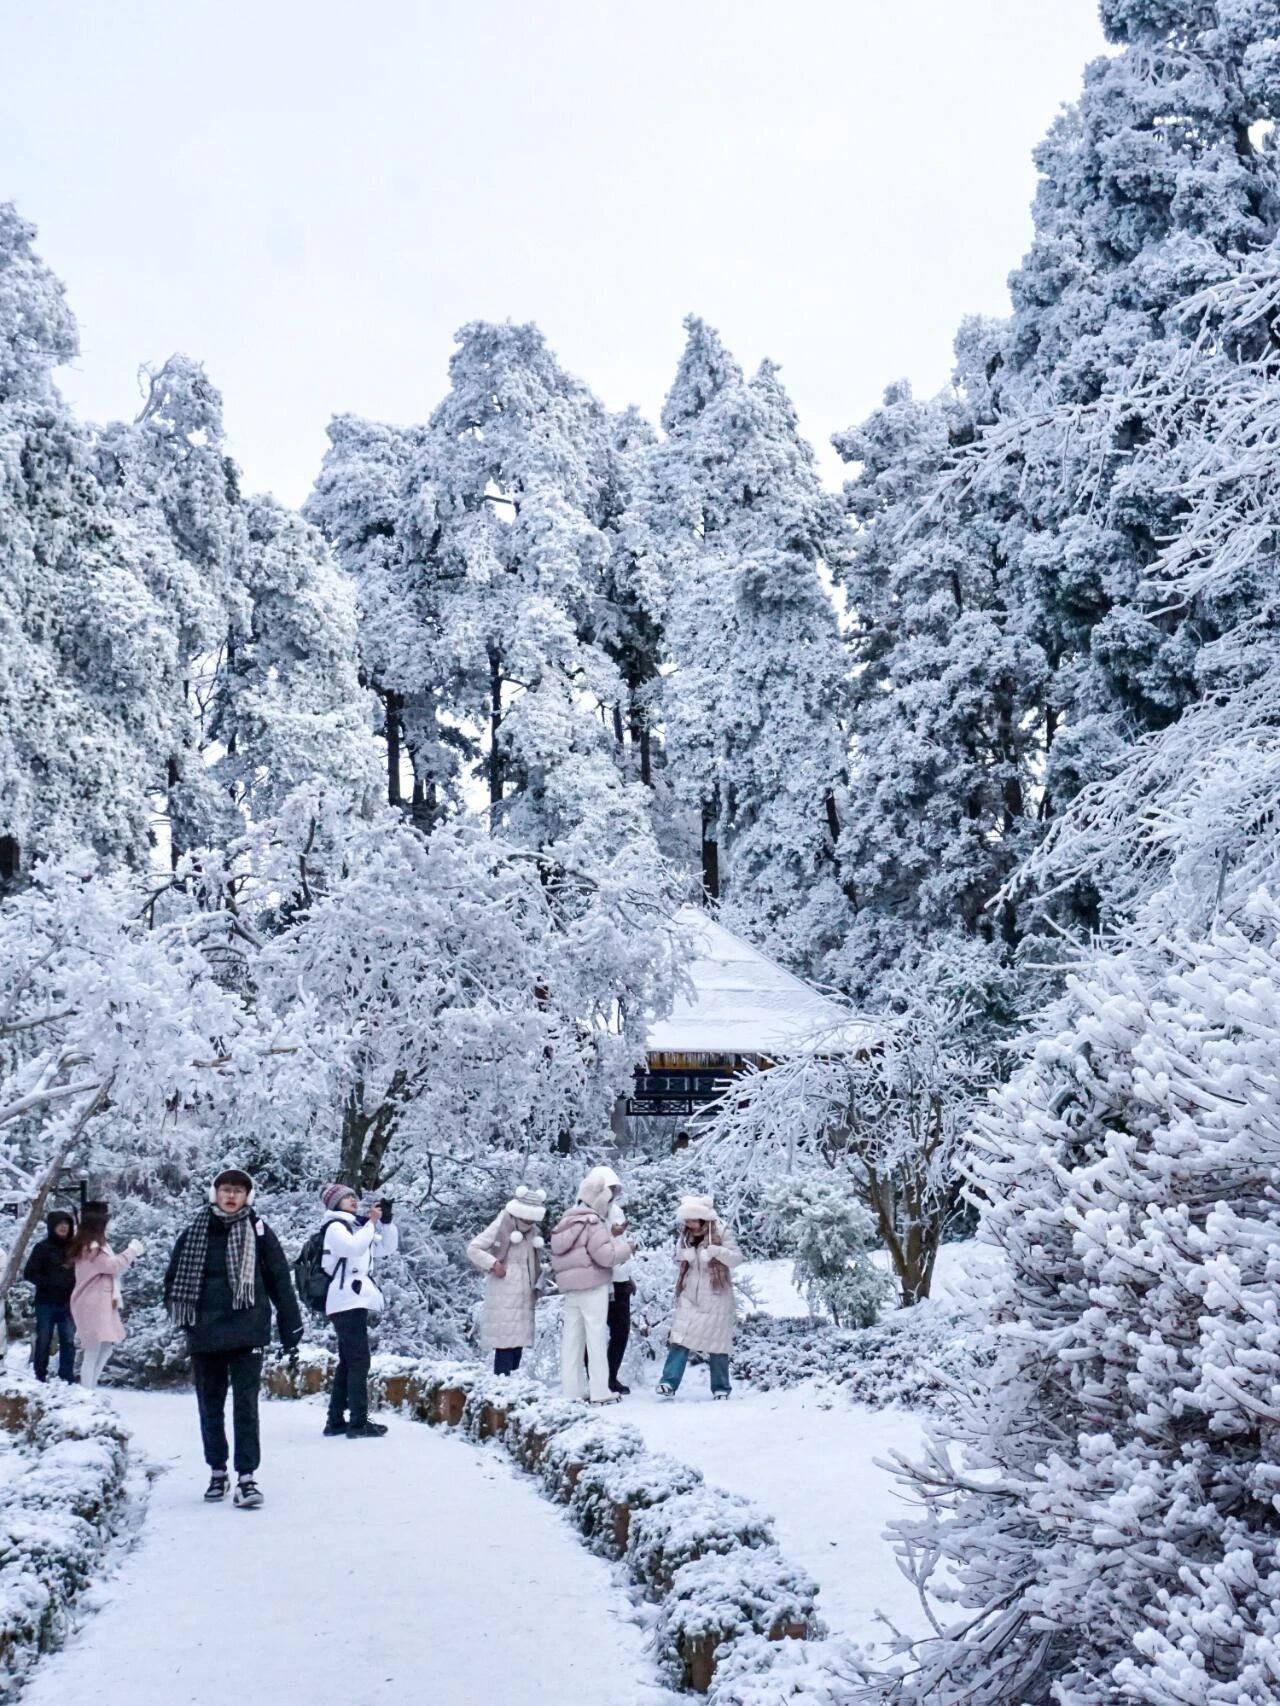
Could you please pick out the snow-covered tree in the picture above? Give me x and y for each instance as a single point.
(738, 521)
(1100, 1513)
(360, 504)
(950, 713)
(86, 647)
(883, 1103)
(287, 707)
(1159, 184)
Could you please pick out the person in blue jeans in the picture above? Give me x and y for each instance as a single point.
(54, 1281)
(706, 1310)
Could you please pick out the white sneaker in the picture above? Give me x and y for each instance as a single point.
(665, 1391)
(247, 1497)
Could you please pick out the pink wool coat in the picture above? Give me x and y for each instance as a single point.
(93, 1302)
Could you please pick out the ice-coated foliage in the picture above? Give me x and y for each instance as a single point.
(1101, 1518)
(821, 1217)
(887, 1116)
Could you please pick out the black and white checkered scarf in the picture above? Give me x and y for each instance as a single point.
(242, 1257)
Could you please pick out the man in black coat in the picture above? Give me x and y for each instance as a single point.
(226, 1275)
(54, 1282)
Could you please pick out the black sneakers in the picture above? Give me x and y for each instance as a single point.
(217, 1488)
(335, 1430)
(367, 1430)
(247, 1497)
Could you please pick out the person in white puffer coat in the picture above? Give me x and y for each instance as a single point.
(352, 1298)
(508, 1252)
(706, 1309)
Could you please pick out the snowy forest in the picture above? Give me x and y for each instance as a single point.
(348, 844)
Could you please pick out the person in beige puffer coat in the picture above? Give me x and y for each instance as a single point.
(706, 1310)
(508, 1252)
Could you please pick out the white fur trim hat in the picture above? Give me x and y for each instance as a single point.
(696, 1208)
(528, 1204)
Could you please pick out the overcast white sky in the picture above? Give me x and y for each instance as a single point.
(312, 198)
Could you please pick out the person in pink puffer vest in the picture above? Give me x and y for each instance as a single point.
(584, 1254)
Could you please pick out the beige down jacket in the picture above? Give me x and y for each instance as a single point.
(506, 1319)
(705, 1316)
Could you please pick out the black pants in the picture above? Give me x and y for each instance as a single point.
(507, 1362)
(619, 1326)
(54, 1318)
(349, 1400)
(214, 1371)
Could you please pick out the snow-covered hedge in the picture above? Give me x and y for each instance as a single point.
(56, 1514)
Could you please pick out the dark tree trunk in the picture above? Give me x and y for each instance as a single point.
(394, 705)
(10, 859)
(495, 725)
(175, 851)
(710, 848)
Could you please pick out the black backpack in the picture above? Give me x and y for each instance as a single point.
(309, 1278)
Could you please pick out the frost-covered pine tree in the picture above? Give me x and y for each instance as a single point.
(753, 706)
(170, 473)
(1158, 184)
(87, 649)
(951, 713)
(1099, 1519)
(287, 708)
(360, 504)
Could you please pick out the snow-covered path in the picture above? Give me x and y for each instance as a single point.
(411, 1568)
(808, 1459)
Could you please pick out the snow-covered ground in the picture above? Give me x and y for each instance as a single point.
(808, 1459)
(405, 1569)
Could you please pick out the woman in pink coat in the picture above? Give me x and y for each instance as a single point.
(95, 1302)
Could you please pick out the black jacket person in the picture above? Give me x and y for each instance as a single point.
(226, 1278)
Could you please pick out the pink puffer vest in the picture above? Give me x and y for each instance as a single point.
(584, 1252)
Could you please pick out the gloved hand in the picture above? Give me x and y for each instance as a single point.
(291, 1343)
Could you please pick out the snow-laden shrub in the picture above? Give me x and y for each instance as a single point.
(919, 1358)
(607, 1492)
(691, 1525)
(1108, 1529)
(829, 1232)
(755, 1671)
(56, 1514)
(588, 1441)
(719, 1599)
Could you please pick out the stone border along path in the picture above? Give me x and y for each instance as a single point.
(407, 1569)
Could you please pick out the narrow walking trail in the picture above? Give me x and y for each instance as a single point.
(812, 1460)
(412, 1568)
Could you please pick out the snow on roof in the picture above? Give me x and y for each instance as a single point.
(742, 1002)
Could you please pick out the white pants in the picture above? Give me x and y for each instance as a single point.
(94, 1360)
(586, 1326)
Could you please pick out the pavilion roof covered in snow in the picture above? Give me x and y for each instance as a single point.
(743, 1003)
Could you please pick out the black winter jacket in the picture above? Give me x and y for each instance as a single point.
(48, 1271)
(219, 1326)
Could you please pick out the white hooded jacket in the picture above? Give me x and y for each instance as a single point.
(348, 1254)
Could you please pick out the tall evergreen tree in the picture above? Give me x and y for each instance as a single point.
(86, 648)
(753, 706)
